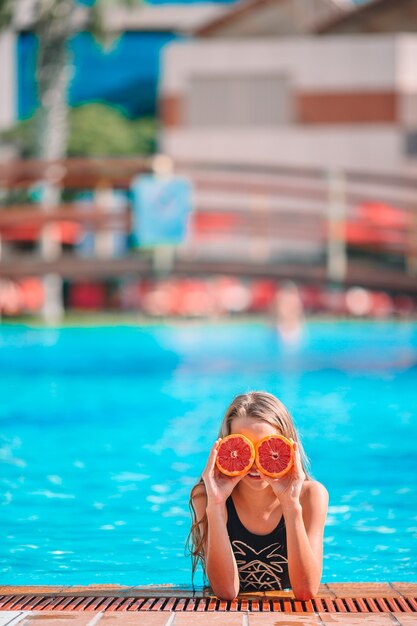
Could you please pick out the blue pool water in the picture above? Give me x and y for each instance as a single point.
(104, 431)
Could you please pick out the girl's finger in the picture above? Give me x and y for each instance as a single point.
(268, 479)
(236, 479)
(211, 462)
(297, 458)
(298, 466)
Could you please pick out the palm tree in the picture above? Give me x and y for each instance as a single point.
(54, 22)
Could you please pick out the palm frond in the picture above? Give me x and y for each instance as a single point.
(6, 13)
(98, 25)
(119, 3)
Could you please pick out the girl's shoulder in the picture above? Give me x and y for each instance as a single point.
(198, 490)
(199, 496)
(314, 493)
(314, 500)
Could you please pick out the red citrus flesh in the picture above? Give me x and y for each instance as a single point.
(274, 455)
(235, 455)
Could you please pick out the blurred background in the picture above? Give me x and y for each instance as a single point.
(188, 159)
(199, 199)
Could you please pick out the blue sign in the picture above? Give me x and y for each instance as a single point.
(161, 206)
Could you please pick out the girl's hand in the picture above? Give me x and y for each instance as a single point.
(218, 485)
(288, 487)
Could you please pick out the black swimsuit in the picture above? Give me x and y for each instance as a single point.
(261, 559)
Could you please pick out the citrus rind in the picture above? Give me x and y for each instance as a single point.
(290, 463)
(248, 465)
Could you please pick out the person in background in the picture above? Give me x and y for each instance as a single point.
(289, 313)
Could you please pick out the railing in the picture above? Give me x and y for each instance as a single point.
(313, 226)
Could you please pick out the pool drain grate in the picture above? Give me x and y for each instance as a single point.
(104, 603)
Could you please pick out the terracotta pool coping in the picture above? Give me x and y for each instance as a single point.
(350, 604)
(329, 590)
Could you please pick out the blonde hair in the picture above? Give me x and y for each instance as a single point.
(257, 405)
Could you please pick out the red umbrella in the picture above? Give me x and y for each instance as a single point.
(383, 215)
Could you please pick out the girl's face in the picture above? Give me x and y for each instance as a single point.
(255, 430)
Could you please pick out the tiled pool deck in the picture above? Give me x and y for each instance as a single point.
(379, 604)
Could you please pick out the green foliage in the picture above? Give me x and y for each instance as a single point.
(94, 130)
(53, 23)
(23, 137)
(97, 18)
(5, 13)
(99, 130)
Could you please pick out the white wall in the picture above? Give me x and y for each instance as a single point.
(334, 63)
(378, 148)
(7, 79)
(341, 63)
(406, 63)
(406, 80)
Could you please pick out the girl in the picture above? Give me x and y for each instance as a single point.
(252, 532)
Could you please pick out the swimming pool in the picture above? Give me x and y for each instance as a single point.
(104, 430)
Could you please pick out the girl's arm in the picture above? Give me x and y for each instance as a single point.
(304, 506)
(220, 563)
(304, 522)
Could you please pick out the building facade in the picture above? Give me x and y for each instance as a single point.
(335, 101)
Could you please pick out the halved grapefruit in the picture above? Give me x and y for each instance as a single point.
(274, 455)
(235, 455)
